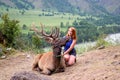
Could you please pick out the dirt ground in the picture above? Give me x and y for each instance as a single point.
(101, 64)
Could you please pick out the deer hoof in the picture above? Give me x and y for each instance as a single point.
(46, 73)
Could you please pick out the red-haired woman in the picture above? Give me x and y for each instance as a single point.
(69, 50)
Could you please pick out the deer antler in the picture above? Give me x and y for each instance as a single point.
(34, 28)
(43, 33)
(48, 37)
(54, 33)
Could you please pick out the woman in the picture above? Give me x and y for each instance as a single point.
(69, 50)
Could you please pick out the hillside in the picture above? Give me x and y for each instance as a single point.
(101, 64)
(97, 6)
(73, 6)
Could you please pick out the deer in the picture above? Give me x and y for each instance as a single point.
(50, 62)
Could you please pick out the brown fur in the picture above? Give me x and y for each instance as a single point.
(49, 62)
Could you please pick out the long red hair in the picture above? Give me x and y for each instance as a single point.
(74, 36)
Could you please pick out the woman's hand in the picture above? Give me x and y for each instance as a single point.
(65, 53)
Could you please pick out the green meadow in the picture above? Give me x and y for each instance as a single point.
(29, 17)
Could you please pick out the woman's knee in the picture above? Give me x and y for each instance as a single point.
(71, 63)
(66, 57)
(72, 60)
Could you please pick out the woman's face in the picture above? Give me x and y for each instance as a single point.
(70, 32)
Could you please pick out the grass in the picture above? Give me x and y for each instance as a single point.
(31, 16)
(84, 47)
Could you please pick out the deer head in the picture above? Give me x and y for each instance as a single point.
(53, 38)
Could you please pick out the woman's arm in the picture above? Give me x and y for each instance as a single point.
(71, 47)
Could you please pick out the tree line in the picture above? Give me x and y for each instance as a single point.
(89, 29)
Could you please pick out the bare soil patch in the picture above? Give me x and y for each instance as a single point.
(101, 64)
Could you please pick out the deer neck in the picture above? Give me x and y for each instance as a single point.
(57, 57)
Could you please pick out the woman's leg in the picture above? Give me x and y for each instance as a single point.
(66, 57)
(72, 59)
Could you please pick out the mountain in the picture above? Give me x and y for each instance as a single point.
(20, 4)
(72, 6)
(97, 6)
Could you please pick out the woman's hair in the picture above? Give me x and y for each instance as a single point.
(74, 36)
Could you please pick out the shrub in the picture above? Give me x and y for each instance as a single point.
(10, 29)
(102, 42)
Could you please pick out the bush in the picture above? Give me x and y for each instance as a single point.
(6, 51)
(10, 29)
(102, 42)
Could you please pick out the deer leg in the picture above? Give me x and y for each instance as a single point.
(62, 66)
(60, 69)
(46, 71)
(35, 63)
